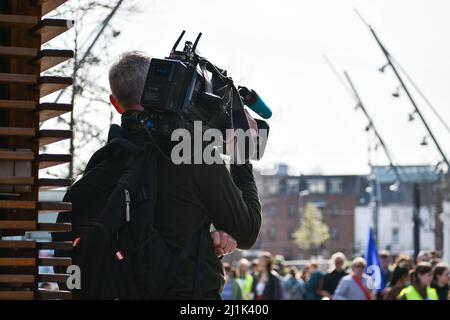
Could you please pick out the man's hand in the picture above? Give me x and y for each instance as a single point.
(223, 243)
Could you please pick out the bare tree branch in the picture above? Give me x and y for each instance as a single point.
(87, 94)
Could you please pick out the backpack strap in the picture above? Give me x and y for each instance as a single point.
(109, 149)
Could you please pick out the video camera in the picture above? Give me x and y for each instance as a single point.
(185, 87)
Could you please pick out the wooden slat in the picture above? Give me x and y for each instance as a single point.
(17, 204)
(17, 262)
(49, 5)
(17, 244)
(16, 278)
(47, 85)
(18, 225)
(16, 155)
(50, 160)
(40, 206)
(55, 227)
(46, 294)
(16, 295)
(57, 245)
(43, 184)
(51, 28)
(49, 58)
(48, 111)
(21, 181)
(54, 206)
(56, 277)
(51, 136)
(17, 132)
(18, 78)
(18, 52)
(11, 20)
(48, 183)
(17, 105)
(60, 262)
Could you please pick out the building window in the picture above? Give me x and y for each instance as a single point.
(273, 188)
(272, 234)
(334, 208)
(336, 186)
(272, 211)
(292, 210)
(334, 233)
(292, 186)
(317, 185)
(271, 185)
(321, 204)
(395, 236)
(395, 215)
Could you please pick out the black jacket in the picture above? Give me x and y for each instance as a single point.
(188, 196)
(273, 289)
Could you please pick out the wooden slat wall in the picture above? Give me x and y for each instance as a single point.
(22, 32)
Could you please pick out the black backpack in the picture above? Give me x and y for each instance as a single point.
(120, 253)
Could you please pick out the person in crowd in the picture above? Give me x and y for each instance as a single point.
(386, 272)
(441, 280)
(294, 287)
(315, 282)
(399, 280)
(421, 278)
(435, 254)
(385, 262)
(405, 260)
(337, 271)
(355, 285)
(423, 256)
(245, 278)
(232, 289)
(254, 270)
(304, 274)
(267, 284)
(435, 262)
(279, 265)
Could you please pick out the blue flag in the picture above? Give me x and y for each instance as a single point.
(373, 268)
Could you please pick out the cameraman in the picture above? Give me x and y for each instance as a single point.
(190, 195)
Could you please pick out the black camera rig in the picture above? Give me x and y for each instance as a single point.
(186, 87)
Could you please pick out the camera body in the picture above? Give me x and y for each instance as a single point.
(184, 88)
(167, 84)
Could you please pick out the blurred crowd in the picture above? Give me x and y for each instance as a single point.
(266, 278)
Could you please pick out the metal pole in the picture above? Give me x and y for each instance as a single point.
(416, 219)
(374, 204)
(416, 108)
(371, 124)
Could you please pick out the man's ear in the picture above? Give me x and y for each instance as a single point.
(115, 103)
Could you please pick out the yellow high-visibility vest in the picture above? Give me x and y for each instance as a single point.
(247, 284)
(411, 294)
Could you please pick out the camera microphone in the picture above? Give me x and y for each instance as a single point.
(254, 102)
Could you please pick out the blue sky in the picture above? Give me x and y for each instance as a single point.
(277, 48)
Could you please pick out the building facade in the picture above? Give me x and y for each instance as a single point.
(347, 204)
(396, 203)
(284, 198)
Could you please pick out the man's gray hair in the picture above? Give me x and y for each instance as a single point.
(127, 77)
